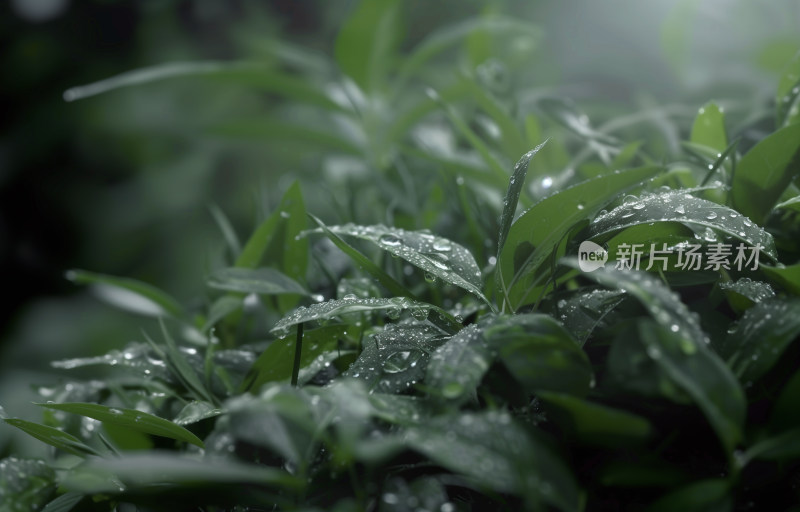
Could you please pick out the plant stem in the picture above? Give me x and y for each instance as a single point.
(298, 348)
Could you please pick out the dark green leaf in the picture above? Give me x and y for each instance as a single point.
(703, 376)
(787, 277)
(64, 503)
(786, 97)
(196, 411)
(702, 496)
(131, 418)
(785, 413)
(491, 449)
(395, 359)
(593, 423)
(781, 447)
(540, 353)
(275, 363)
(457, 367)
(761, 337)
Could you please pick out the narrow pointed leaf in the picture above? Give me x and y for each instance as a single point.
(263, 281)
(129, 294)
(131, 418)
(53, 437)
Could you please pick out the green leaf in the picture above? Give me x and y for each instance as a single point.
(129, 294)
(221, 308)
(680, 206)
(495, 453)
(263, 130)
(131, 418)
(437, 256)
(593, 423)
(781, 447)
(365, 263)
(663, 305)
(196, 411)
(540, 353)
(64, 503)
(275, 362)
(709, 128)
(53, 437)
(181, 368)
(785, 277)
(453, 33)
(764, 173)
(786, 98)
(785, 414)
(25, 485)
(761, 337)
(332, 308)
(515, 185)
(264, 281)
(396, 358)
(533, 237)
(144, 471)
(704, 496)
(367, 41)
(584, 312)
(456, 368)
(703, 376)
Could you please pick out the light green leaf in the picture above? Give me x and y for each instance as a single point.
(680, 206)
(437, 256)
(788, 93)
(264, 281)
(709, 127)
(196, 411)
(536, 233)
(764, 173)
(129, 294)
(64, 503)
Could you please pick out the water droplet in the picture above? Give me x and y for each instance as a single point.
(401, 361)
(350, 296)
(452, 390)
(390, 240)
(285, 215)
(680, 209)
(420, 313)
(430, 277)
(115, 411)
(442, 245)
(547, 182)
(711, 216)
(629, 199)
(393, 313)
(638, 206)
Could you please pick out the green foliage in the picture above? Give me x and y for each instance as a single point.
(380, 359)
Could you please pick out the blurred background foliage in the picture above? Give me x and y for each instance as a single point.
(129, 183)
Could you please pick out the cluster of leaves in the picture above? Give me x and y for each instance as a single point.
(363, 367)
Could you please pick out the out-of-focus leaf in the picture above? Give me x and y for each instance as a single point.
(781, 447)
(593, 423)
(709, 127)
(221, 308)
(143, 471)
(764, 172)
(271, 130)
(264, 281)
(786, 97)
(367, 41)
(536, 233)
(129, 294)
(53, 437)
(703, 496)
(761, 337)
(540, 353)
(64, 503)
(495, 453)
(785, 413)
(25, 485)
(131, 418)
